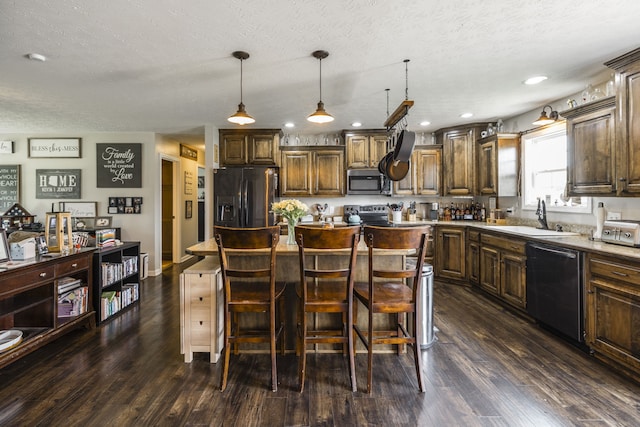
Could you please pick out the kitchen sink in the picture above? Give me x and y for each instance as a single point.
(531, 231)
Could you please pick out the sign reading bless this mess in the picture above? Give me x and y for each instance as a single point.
(119, 165)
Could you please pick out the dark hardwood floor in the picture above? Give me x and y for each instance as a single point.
(488, 368)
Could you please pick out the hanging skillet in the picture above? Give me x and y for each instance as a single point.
(395, 170)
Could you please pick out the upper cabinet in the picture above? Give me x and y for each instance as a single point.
(627, 68)
(365, 148)
(312, 172)
(249, 147)
(425, 174)
(591, 149)
(498, 165)
(459, 147)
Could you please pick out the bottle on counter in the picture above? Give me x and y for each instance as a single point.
(483, 213)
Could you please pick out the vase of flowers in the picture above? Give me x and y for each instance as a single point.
(292, 210)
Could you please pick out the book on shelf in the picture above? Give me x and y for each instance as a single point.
(109, 304)
(68, 283)
(106, 238)
(73, 302)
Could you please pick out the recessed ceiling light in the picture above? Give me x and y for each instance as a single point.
(289, 125)
(356, 124)
(36, 57)
(535, 80)
(466, 115)
(425, 123)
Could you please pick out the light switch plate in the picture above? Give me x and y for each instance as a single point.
(614, 215)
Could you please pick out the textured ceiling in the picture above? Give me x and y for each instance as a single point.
(165, 66)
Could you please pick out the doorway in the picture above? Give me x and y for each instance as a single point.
(167, 213)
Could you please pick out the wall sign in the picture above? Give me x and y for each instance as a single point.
(58, 183)
(188, 152)
(9, 186)
(6, 147)
(119, 165)
(188, 182)
(54, 147)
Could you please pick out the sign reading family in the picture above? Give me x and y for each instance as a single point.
(54, 147)
(119, 165)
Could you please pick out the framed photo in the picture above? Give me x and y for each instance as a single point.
(200, 181)
(188, 209)
(4, 247)
(55, 147)
(6, 147)
(80, 209)
(188, 152)
(84, 223)
(103, 222)
(41, 243)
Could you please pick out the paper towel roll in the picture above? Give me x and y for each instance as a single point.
(600, 215)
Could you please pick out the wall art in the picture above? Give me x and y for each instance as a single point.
(125, 205)
(58, 183)
(9, 186)
(6, 147)
(80, 209)
(188, 152)
(188, 182)
(119, 165)
(55, 147)
(188, 209)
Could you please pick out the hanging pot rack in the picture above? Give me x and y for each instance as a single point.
(403, 109)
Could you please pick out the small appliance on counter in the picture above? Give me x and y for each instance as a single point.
(622, 232)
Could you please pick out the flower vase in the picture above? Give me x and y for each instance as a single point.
(291, 232)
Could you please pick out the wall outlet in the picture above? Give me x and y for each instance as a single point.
(614, 215)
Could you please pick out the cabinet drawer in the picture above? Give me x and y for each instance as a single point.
(200, 314)
(200, 333)
(516, 246)
(71, 266)
(13, 283)
(612, 270)
(474, 235)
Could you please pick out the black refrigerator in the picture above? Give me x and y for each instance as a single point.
(243, 196)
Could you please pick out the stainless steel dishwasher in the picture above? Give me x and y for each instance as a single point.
(554, 288)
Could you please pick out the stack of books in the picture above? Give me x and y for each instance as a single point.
(72, 297)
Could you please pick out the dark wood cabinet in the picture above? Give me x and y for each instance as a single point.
(425, 174)
(627, 68)
(249, 147)
(313, 171)
(459, 158)
(498, 165)
(591, 149)
(32, 302)
(365, 148)
(503, 269)
(613, 311)
(116, 279)
(450, 254)
(473, 256)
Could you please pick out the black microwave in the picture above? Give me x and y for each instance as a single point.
(367, 181)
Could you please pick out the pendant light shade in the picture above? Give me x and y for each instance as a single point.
(320, 115)
(241, 117)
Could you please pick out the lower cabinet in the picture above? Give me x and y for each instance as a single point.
(473, 256)
(613, 311)
(201, 310)
(503, 265)
(450, 253)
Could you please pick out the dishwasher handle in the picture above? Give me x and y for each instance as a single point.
(564, 253)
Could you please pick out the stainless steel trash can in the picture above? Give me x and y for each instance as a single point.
(425, 314)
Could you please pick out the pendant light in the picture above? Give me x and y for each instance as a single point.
(320, 115)
(241, 117)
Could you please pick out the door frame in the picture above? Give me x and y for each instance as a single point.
(177, 232)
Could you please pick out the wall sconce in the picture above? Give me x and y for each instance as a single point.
(544, 119)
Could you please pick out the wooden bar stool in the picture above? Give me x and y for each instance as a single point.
(387, 292)
(250, 289)
(326, 286)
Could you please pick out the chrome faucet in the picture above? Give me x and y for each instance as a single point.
(542, 214)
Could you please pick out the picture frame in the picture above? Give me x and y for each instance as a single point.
(102, 222)
(84, 223)
(80, 209)
(58, 183)
(188, 152)
(5, 255)
(41, 243)
(6, 147)
(188, 209)
(188, 183)
(55, 148)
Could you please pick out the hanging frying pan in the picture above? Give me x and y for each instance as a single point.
(395, 170)
(404, 146)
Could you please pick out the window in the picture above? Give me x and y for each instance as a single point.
(544, 160)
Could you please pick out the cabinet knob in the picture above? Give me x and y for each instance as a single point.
(200, 298)
(43, 274)
(621, 179)
(201, 322)
(74, 265)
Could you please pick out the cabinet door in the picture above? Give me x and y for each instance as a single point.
(490, 270)
(487, 168)
(377, 149)
(450, 253)
(513, 279)
(328, 167)
(628, 133)
(428, 163)
(262, 148)
(233, 149)
(357, 151)
(591, 151)
(296, 173)
(459, 169)
(407, 185)
(473, 262)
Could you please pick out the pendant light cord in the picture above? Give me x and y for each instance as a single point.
(320, 79)
(241, 60)
(406, 79)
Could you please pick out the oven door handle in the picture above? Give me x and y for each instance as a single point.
(565, 254)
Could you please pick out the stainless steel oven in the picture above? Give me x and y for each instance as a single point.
(367, 182)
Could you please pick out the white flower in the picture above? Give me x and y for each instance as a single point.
(291, 209)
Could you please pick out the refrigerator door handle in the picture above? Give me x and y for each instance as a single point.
(245, 203)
